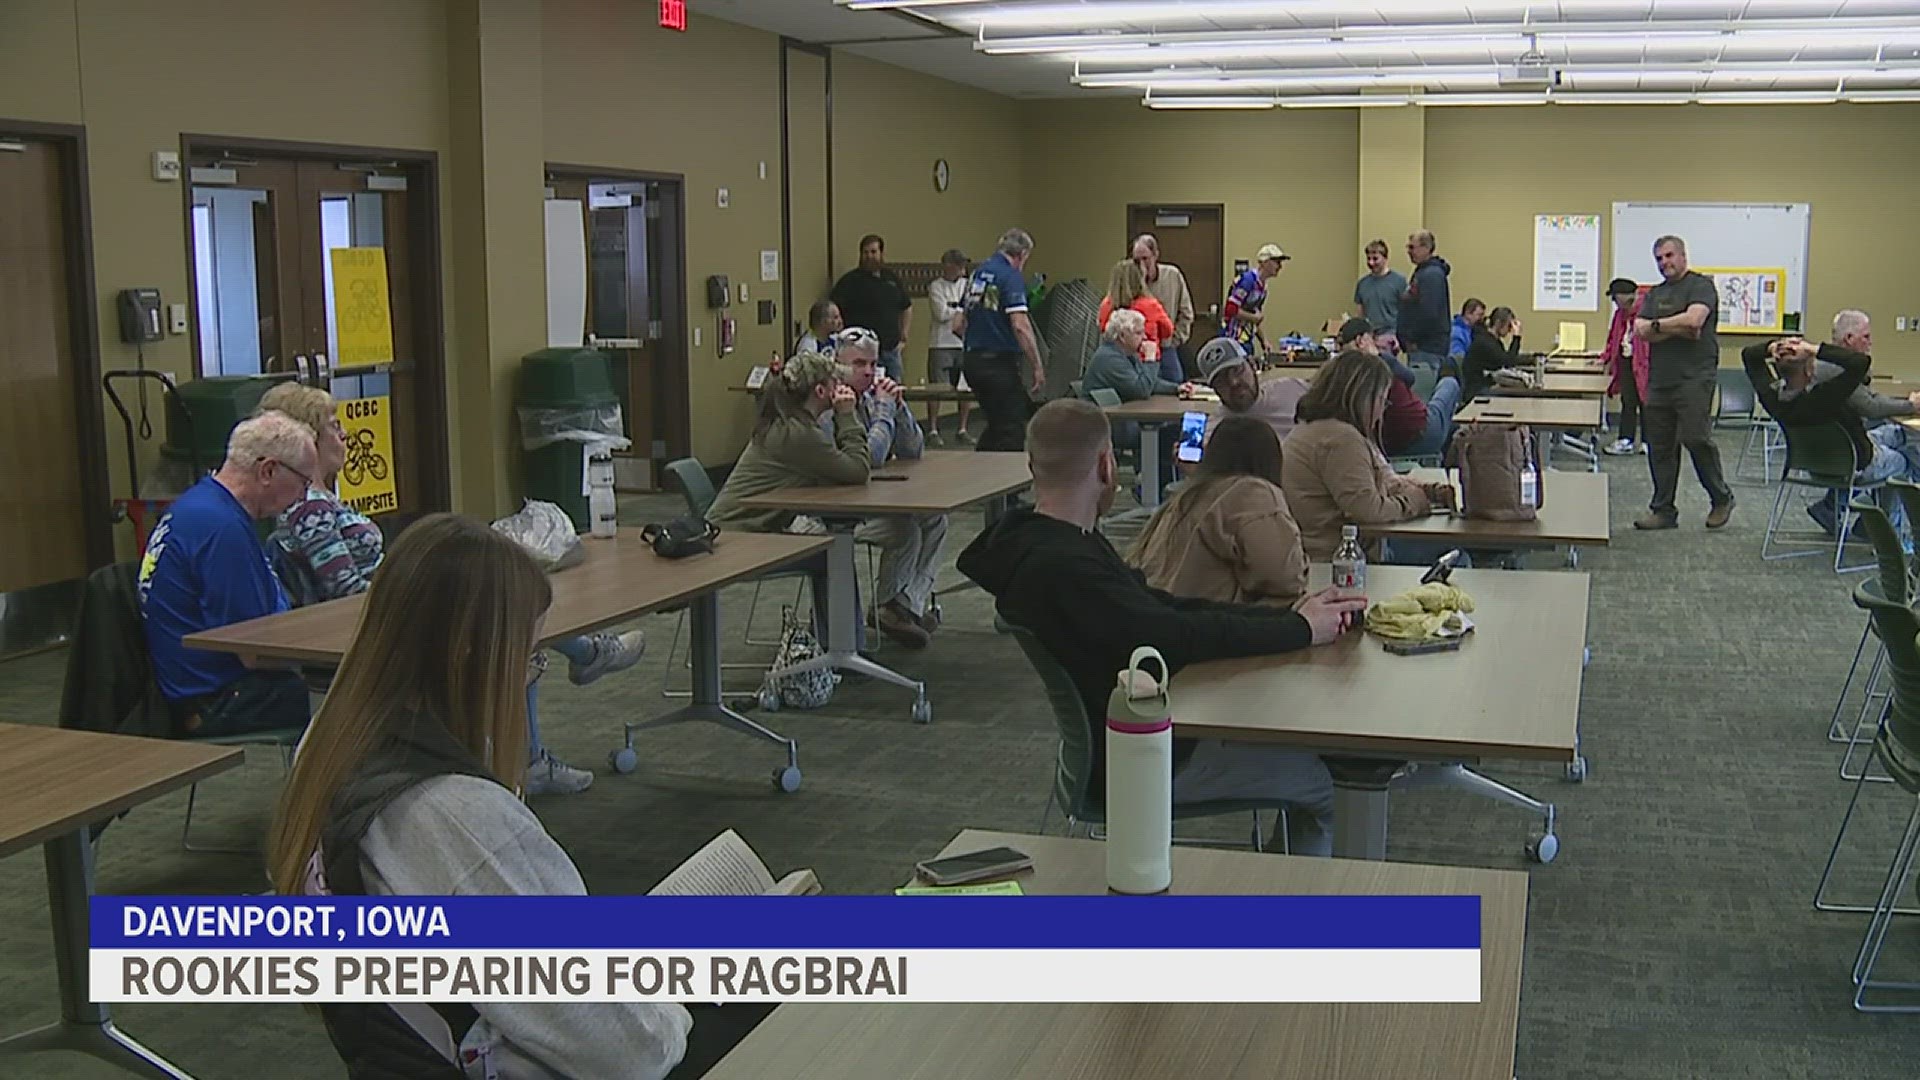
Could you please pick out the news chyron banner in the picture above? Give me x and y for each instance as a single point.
(820, 948)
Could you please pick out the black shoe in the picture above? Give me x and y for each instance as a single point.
(1823, 515)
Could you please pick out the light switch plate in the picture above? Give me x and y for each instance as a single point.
(722, 199)
(763, 170)
(696, 337)
(743, 292)
(166, 165)
(176, 318)
(1900, 322)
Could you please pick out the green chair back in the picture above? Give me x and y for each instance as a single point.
(1822, 455)
(1079, 388)
(1895, 579)
(1736, 399)
(695, 485)
(1105, 397)
(1073, 769)
(1899, 629)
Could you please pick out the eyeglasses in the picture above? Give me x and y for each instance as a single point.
(304, 478)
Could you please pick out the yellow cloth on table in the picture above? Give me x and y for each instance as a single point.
(1424, 611)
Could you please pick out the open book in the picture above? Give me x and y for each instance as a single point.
(728, 867)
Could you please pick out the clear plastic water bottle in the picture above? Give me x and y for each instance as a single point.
(1349, 561)
(602, 509)
(1529, 485)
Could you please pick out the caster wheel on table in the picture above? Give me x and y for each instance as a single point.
(623, 760)
(1542, 849)
(923, 711)
(787, 779)
(770, 700)
(1577, 769)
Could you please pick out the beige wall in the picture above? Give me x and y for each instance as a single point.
(1285, 177)
(1489, 170)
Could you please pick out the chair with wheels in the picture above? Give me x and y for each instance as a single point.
(1073, 767)
(1896, 746)
(1820, 457)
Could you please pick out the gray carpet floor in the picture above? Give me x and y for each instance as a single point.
(1674, 937)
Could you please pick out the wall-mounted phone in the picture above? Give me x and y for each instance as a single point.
(140, 316)
(718, 290)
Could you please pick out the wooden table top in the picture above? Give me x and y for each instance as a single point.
(1560, 384)
(619, 580)
(1575, 513)
(1151, 1041)
(55, 781)
(939, 482)
(1553, 412)
(1511, 691)
(1160, 409)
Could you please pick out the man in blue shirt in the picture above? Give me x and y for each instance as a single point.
(205, 567)
(998, 335)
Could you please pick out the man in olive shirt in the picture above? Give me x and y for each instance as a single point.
(1678, 320)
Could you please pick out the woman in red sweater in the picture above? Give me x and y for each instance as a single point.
(1626, 358)
(1127, 288)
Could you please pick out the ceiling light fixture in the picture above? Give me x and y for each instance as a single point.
(1243, 101)
(1345, 101)
(1770, 97)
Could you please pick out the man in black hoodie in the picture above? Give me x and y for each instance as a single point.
(1052, 573)
(1426, 312)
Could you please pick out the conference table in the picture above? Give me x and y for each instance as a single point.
(1511, 692)
(55, 783)
(1148, 1041)
(1563, 414)
(1575, 513)
(937, 482)
(1149, 413)
(621, 579)
(1559, 384)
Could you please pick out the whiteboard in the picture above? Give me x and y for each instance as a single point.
(1717, 234)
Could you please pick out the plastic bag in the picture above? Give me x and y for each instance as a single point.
(593, 424)
(546, 532)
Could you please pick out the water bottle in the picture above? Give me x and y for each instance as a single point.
(1529, 484)
(601, 508)
(1140, 780)
(1350, 562)
(1539, 372)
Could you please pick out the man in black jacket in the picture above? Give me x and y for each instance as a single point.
(1052, 573)
(1795, 399)
(1426, 312)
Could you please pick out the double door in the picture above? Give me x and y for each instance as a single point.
(265, 299)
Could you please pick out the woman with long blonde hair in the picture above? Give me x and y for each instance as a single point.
(1127, 288)
(407, 785)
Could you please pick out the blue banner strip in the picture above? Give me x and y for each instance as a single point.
(788, 923)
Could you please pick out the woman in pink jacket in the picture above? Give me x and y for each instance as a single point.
(1623, 349)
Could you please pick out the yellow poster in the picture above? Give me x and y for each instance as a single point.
(362, 325)
(366, 479)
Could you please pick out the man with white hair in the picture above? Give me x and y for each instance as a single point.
(1853, 331)
(999, 335)
(910, 544)
(1167, 284)
(205, 567)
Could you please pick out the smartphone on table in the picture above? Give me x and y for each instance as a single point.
(974, 866)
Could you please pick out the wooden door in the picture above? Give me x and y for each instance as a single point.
(1192, 238)
(809, 255)
(43, 511)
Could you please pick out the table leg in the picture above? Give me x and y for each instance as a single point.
(1149, 470)
(707, 704)
(842, 610)
(85, 1026)
(1359, 822)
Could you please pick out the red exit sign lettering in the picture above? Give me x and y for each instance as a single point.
(673, 14)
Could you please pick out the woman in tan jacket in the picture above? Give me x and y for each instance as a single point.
(1334, 473)
(1227, 535)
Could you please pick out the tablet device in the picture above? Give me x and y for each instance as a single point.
(1193, 435)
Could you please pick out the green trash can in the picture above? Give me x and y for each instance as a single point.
(213, 404)
(559, 390)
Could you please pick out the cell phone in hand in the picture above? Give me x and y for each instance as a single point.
(1193, 436)
(974, 866)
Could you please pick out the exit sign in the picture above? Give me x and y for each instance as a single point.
(673, 14)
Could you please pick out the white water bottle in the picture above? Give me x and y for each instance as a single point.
(602, 509)
(1529, 484)
(1350, 562)
(1140, 780)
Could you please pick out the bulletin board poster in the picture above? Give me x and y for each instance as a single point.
(366, 478)
(1750, 298)
(1566, 262)
(362, 323)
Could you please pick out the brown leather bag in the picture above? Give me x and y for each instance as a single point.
(1491, 459)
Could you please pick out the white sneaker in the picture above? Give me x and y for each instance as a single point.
(550, 776)
(611, 653)
(1619, 447)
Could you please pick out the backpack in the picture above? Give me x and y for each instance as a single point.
(1491, 459)
(808, 689)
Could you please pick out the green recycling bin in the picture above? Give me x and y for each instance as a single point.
(564, 390)
(213, 405)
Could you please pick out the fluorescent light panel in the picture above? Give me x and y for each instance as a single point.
(1231, 101)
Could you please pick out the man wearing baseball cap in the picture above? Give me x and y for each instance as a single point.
(1247, 300)
(1224, 366)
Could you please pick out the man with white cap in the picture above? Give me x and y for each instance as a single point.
(1223, 365)
(1247, 300)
